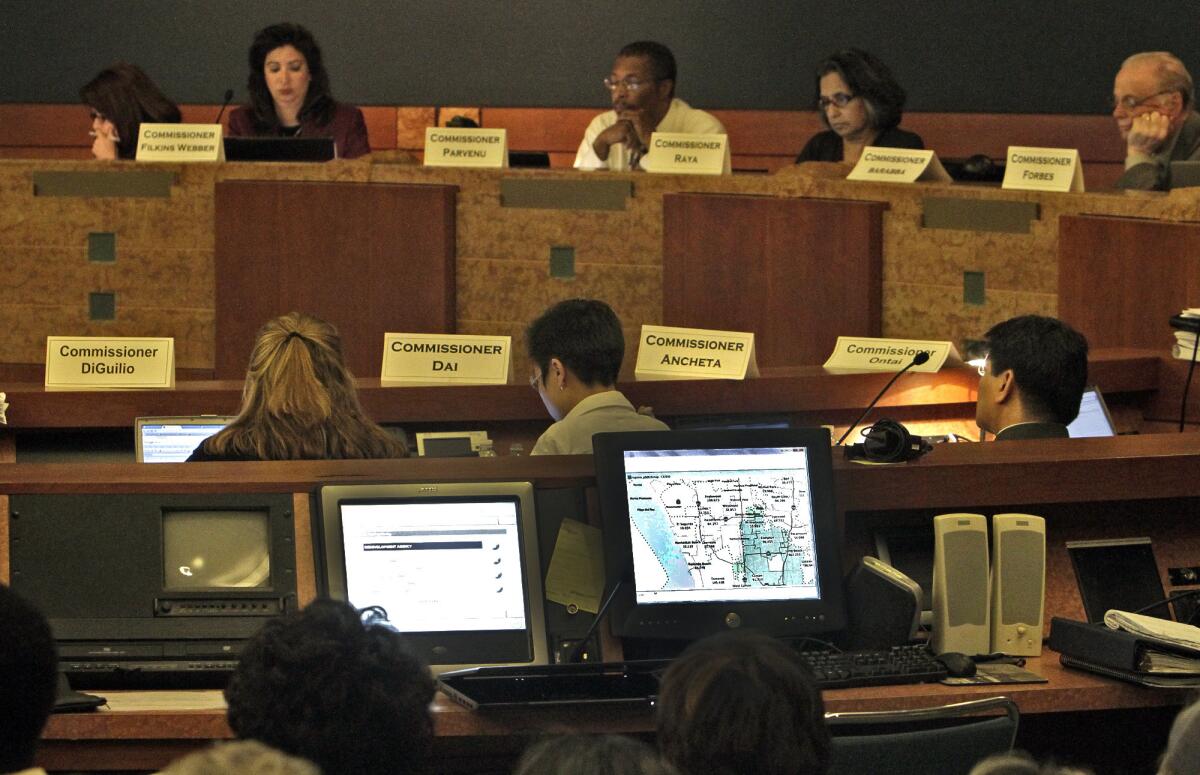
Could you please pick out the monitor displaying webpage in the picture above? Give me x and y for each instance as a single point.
(715, 525)
(1092, 419)
(169, 442)
(436, 566)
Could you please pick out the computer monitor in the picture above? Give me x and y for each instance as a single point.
(173, 439)
(712, 530)
(452, 566)
(1093, 418)
(280, 149)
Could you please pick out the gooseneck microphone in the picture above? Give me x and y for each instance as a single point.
(917, 360)
(575, 653)
(225, 104)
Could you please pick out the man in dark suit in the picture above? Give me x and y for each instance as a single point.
(1153, 103)
(1032, 383)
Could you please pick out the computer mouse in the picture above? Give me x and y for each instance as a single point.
(957, 665)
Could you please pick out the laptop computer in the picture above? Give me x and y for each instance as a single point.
(1093, 419)
(279, 149)
(173, 439)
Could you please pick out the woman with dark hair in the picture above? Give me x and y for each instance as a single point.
(299, 402)
(289, 94)
(122, 98)
(860, 103)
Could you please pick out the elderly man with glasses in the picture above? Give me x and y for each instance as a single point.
(1154, 104)
(642, 88)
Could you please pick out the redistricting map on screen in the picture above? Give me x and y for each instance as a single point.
(721, 530)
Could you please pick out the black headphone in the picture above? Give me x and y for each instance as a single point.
(887, 441)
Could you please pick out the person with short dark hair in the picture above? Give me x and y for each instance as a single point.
(28, 681)
(122, 98)
(1034, 378)
(321, 685)
(290, 94)
(592, 755)
(577, 347)
(642, 89)
(742, 703)
(860, 104)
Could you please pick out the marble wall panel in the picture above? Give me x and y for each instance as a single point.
(917, 311)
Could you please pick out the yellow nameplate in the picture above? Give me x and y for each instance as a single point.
(467, 147)
(694, 353)
(861, 353)
(678, 153)
(109, 363)
(899, 165)
(1043, 169)
(180, 142)
(445, 359)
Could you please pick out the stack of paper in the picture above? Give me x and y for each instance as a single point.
(1164, 632)
(1185, 341)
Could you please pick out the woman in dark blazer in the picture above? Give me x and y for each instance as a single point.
(289, 94)
(860, 105)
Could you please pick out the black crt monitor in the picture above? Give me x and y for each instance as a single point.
(452, 566)
(706, 531)
(279, 149)
(1093, 418)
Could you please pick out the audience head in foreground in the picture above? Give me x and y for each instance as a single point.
(576, 348)
(1183, 745)
(1153, 102)
(1033, 380)
(28, 679)
(641, 87)
(299, 402)
(349, 697)
(241, 757)
(860, 104)
(1017, 763)
(122, 98)
(592, 755)
(741, 702)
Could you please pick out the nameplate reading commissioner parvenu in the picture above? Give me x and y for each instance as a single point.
(898, 165)
(109, 363)
(466, 147)
(1043, 169)
(180, 142)
(860, 353)
(678, 153)
(694, 353)
(445, 359)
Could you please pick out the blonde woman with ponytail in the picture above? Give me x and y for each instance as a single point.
(299, 402)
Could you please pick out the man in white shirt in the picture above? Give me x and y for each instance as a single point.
(577, 347)
(642, 85)
(28, 682)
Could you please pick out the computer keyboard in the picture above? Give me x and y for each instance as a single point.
(911, 664)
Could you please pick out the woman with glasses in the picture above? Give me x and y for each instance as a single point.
(290, 95)
(121, 99)
(861, 105)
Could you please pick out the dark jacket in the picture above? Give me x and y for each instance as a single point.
(1156, 175)
(827, 145)
(347, 128)
(1033, 430)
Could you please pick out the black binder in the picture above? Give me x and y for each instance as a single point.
(1115, 653)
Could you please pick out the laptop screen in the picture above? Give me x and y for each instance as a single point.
(1093, 419)
(173, 439)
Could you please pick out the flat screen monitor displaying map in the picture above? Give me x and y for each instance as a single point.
(713, 530)
(452, 566)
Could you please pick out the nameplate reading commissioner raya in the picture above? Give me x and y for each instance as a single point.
(899, 165)
(467, 147)
(180, 142)
(445, 359)
(694, 353)
(676, 153)
(1043, 169)
(857, 354)
(109, 363)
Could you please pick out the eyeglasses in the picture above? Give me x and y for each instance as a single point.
(841, 99)
(534, 379)
(631, 85)
(1129, 102)
(982, 368)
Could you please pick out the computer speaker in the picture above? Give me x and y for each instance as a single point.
(884, 606)
(961, 603)
(1018, 583)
